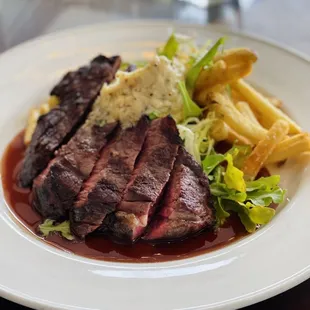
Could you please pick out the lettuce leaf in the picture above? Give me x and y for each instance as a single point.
(49, 227)
(206, 60)
(267, 196)
(239, 154)
(247, 222)
(258, 214)
(265, 190)
(264, 183)
(190, 108)
(218, 173)
(221, 214)
(233, 176)
(222, 190)
(211, 162)
(170, 48)
(250, 215)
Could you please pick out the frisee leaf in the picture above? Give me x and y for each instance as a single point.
(170, 48)
(49, 227)
(233, 176)
(188, 137)
(205, 61)
(190, 108)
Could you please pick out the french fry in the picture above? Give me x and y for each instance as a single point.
(44, 108)
(244, 108)
(221, 131)
(236, 55)
(221, 98)
(219, 74)
(235, 96)
(53, 101)
(211, 76)
(236, 120)
(275, 101)
(33, 117)
(290, 147)
(265, 148)
(261, 104)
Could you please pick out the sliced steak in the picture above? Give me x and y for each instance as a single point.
(147, 182)
(187, 207)
(103, 190)
(76, 92)
(56, 188)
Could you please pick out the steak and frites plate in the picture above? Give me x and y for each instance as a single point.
(240, 108)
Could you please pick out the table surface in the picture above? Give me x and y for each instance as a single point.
(286, 21)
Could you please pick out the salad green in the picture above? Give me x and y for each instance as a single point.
(63, 228)
(203, 63)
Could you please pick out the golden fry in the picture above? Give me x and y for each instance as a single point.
(244, 108)
(275, 101)
(33, 117)
(264, 149)
(236, 55)
(221, 131)
(44, 108)
(236, 120)
(290, 147)
(53, 101)
(235, 96)
(262, 105)
(219, 74)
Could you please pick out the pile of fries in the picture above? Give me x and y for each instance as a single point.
(245, 116)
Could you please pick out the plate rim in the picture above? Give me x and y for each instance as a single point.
(240, 301)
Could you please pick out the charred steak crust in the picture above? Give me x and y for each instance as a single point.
(56, 188)
(187, 207)
(77, 92)
(103, 190)
(147, 182)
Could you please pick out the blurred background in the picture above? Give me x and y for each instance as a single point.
(285, 21)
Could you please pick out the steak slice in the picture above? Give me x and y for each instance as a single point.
(187, 207)
(103, 190)
(56, 188)
(147, 182)
(76, 92)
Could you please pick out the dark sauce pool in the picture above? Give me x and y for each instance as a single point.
(99, 247)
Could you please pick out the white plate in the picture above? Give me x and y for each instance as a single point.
(272, 260)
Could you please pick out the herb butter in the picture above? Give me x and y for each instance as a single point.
(151, 89)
